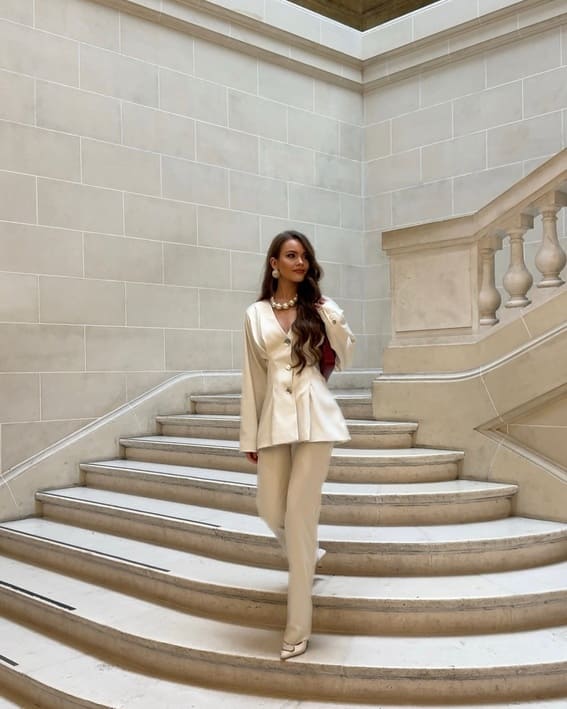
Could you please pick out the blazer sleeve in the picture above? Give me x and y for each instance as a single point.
(254, 374)
(339, 333)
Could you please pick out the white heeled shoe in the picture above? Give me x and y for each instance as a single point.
(289, 650)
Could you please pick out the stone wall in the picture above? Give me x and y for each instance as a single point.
(143, 172)
(443, 142)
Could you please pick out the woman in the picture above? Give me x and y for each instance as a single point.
(289, 419)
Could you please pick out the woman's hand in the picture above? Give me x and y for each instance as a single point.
(252, 457)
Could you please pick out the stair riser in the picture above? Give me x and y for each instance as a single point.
(433, 560)
(351, 512)
(213, 409)
(227, 433)
(232, 408)
(236, 462)
(345, 558)
(361, 412)
(380, 440)
(267, 609)
(358, 440)
(294, 679)
(338, 471)
(426, 473)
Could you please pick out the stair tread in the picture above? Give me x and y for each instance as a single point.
(208, 570)
(390, 426)
(338, 653)
(423, 490)
(501, 529)
(414, 454)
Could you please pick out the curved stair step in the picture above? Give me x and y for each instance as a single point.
(179, 646)
(414, 503)
(365, 434)
(355, 404)
(347, 464)
(43, 684)
(40, 683)
(496, 602)
(363, 550)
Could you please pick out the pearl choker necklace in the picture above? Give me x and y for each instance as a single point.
(283, 306)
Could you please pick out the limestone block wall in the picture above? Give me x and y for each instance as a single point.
(149, 151)
(143, 172)
(444, 141)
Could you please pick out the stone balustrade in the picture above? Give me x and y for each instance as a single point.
(518, 280)
(443, 276)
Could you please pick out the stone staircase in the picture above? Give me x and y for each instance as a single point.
(154, 584)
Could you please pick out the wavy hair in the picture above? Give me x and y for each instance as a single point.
(308, 326)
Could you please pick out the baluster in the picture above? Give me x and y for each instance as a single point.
(518, 280)
(489, 298)
(550, 259)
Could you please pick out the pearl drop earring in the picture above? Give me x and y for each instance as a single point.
(275, 273)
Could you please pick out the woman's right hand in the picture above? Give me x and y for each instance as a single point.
(252, 457)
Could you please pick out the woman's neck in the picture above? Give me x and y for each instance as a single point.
(285, 291)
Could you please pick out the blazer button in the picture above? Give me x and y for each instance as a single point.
(288, 390)
(334, 322)
(287, 341)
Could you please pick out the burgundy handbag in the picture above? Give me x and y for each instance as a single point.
(328, 358)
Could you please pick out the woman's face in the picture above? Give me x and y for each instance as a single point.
(293, 262)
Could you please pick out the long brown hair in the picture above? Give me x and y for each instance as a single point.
(308, 326)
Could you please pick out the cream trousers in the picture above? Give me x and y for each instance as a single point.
(290, 478)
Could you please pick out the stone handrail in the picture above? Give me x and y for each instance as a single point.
(443, 283)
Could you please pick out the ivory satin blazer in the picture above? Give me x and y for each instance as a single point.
(280, 405)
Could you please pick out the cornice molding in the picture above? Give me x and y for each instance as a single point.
(343, 56)
(235, 30)
(482, 34)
